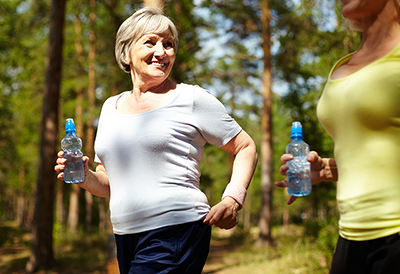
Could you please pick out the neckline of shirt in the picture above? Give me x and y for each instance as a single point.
(344, 60)
(176, 95)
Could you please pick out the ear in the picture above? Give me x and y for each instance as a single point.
(126, 59)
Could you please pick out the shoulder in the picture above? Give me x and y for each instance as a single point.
(111, 101)
(197, 94)
(201, 94)
(193, 88)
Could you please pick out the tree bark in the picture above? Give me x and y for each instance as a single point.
(91, 102)
(42, 228)
(154, 4)
(265, 223)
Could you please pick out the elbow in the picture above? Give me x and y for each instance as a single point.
(254, 147)
(252, 151)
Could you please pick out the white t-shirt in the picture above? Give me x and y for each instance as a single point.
(153, 158)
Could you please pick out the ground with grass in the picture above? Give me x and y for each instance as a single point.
(290, 253)
(232, 252)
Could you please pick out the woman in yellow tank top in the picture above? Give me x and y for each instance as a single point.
(359, 108)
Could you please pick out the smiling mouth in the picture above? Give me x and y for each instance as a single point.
(157, 64)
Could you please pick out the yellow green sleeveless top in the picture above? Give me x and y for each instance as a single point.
(361, 112)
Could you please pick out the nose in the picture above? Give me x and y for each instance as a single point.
(159, 49)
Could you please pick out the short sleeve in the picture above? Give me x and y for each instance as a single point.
(215, 124)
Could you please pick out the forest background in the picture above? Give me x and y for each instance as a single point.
(221, 50)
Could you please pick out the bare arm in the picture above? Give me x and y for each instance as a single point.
(96, 182)
(243, 149)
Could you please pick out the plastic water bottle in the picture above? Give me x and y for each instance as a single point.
(72, 144)
(298, 175)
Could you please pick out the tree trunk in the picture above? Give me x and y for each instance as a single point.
(265, 223)
(247, 210)
(60, 208)
(20, 204)
(89, 207)
(73, 211)
(103, 217)
(42, 228)
(286, 215)
(91, 102)
(154, 4)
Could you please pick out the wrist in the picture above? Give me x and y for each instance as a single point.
(330, 170)
(237, 192)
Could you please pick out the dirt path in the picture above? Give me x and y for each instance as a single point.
(215, 261)
(13, 259)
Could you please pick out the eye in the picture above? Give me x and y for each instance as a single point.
(168, 45)
(149, 42)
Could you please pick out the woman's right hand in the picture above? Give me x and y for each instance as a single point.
(322, 169)
(60, 165)
(96, 182)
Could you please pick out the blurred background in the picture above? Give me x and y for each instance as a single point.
(266, 60)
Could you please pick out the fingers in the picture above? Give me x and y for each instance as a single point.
(291, 200)
(60, 168)
(60, 165)
(281, 183)
(223, 215)
(314, 158)
(283, 169)
(85, 160)
(286, 157)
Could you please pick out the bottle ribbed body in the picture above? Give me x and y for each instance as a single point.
(71, 145)
(298, 175)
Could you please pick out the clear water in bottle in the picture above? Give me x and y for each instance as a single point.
(71, 145)
(298, 175)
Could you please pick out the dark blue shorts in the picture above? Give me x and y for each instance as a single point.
(174, 249)
(379, 256)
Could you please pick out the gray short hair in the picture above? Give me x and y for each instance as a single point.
(355, 26)
(143, 21)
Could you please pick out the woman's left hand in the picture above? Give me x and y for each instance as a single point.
(223, 214)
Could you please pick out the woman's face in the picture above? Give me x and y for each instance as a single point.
(152, 56)
(359, 9)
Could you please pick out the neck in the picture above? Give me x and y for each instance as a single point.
(381, 28)
(150, 85)
(140, 88)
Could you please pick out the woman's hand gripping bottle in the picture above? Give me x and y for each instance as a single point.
(298, 175)
(71, 145)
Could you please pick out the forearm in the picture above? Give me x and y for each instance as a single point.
(243, 149)
(97, 183)
(244, 165)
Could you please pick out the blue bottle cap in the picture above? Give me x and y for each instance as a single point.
(70, 126)
(296, 131)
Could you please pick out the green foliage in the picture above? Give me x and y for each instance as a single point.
(9, 234)
(305, 46)
(20, 89)
(308, 37)
(327, 238)
(290, 252)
